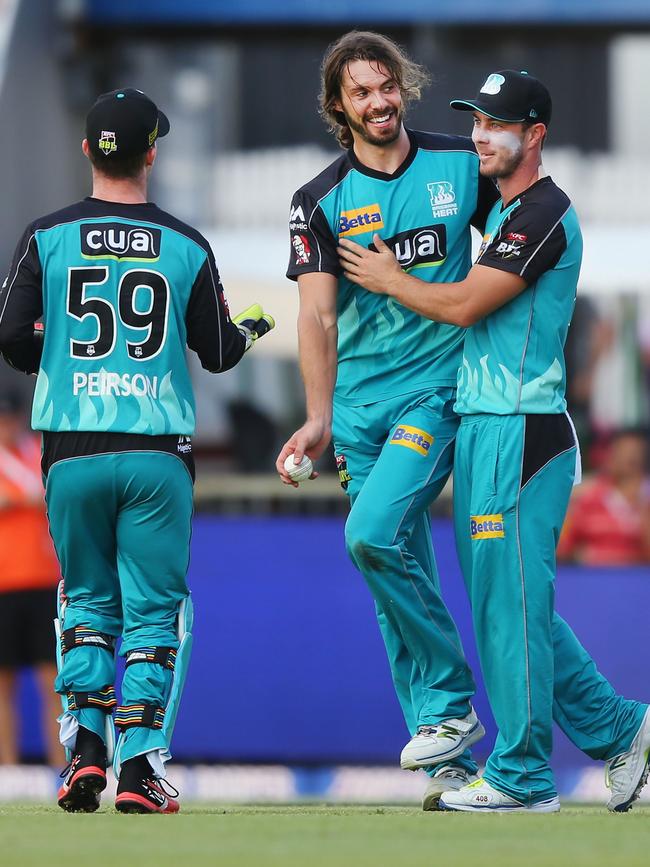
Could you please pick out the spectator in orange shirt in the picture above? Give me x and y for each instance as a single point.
(29, 572)
(608, 522)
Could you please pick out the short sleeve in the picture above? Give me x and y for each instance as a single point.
(313, 245)
(529, 242)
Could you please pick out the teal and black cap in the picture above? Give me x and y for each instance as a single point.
(510, 96)
(125, 123)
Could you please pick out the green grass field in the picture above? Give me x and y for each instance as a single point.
(315, 836)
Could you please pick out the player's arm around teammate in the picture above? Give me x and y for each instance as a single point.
(464, 303)
(515, 463)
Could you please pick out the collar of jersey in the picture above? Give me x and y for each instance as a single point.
(97, 201)
(540, 182)
(384, 176)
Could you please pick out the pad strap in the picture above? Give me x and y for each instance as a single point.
(148, 715)
(84, 636)
(105, 699)
(165, 656)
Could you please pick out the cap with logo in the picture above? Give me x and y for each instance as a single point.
(510, 96)
(125, 123)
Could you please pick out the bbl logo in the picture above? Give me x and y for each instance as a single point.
(107, 143)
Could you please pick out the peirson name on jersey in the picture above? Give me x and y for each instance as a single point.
(365, 219)
(120, 241)
(426, 245)
(103, 383)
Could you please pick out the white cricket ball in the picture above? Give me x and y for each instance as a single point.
(299, 472)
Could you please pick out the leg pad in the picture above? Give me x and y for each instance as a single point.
(147, 715)
(165, 656)
(104, 699)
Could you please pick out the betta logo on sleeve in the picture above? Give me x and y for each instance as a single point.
(486, 526)
(412, 438)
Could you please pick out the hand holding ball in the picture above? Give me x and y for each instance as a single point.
(299, 472)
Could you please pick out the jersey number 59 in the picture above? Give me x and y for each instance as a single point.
(153, 320)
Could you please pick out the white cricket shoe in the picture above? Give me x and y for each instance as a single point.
(441, 742)
(481, 797)
(445, 779)
(627, 774)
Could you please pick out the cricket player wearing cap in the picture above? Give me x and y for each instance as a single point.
(515, 463)
(122, 288)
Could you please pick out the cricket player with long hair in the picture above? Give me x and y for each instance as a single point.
(380, 379)
(122, 288)
(516, 461)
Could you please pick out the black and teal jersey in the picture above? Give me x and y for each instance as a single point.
(513, 359)
(122, 289)
(424, 212)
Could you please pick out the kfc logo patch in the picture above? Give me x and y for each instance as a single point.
(302, 249)
(516, 236)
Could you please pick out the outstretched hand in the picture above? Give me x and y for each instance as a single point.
(375, 271)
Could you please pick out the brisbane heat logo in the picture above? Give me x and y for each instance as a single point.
(120, 241)
(419, 247)
(443, 199)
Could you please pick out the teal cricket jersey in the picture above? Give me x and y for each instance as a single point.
(122, 289)
(513, 359)
(423, 211)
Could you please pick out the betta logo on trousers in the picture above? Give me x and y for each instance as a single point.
(412, 438)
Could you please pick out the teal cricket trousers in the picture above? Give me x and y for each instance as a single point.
(394, 458)
(121, 526)
(512, 481)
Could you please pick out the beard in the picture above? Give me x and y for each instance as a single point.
(380, 137)
(508, 161)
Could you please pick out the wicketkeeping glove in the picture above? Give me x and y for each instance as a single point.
(253, 323)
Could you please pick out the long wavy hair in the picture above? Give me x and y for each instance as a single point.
(410, 77)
